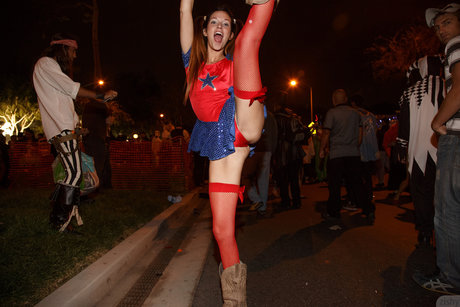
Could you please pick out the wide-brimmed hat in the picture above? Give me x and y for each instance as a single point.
(432, 13)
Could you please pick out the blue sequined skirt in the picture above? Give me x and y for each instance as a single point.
(215, 139)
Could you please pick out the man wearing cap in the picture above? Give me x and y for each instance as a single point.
(446, 123)
(56, 92)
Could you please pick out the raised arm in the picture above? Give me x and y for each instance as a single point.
(186, 25)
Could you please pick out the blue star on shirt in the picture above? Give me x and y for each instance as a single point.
(208, 81)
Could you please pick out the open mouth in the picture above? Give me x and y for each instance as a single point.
(218, 37)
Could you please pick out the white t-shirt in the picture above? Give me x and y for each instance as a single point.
(55, 92)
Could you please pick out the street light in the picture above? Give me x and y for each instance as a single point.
(99, 82)
(293, 83)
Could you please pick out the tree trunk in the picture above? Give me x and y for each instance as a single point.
(95, 36)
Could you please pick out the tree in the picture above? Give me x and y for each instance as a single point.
(391, 57)
(120, 121)
(94, 9)
(17, 114)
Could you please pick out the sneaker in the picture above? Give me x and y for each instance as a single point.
(255, 206)
(333, 218)
(436, 282)
(350, 206)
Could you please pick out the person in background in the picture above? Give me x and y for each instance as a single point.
(261, 164)
(309, 175)
(320, 163)
(288, 157)
(167, 128)
(94, 118)
(369, 147)
(342, 135)
(383, 163)
(56, 92)
(156, 146)
(419, 104)
(398, 179)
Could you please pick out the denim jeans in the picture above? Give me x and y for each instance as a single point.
(258, 191)
(447, 208)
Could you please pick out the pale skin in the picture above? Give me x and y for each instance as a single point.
(446, 27)
(250, 119)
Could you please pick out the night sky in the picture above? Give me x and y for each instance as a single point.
(320, 41)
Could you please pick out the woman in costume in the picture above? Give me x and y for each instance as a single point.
(226, 95)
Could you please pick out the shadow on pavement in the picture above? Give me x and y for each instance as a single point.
(305, 242)
(400, 290)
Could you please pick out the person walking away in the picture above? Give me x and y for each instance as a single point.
(342, 134)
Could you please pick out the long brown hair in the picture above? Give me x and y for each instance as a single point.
(199, 50)
(60, 52)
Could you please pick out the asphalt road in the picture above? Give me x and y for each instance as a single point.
(296, 259)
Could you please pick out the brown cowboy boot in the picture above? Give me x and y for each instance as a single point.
(233, 282)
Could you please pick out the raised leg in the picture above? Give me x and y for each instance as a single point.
(247, 81)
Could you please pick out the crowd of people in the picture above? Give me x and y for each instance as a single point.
(419, 149)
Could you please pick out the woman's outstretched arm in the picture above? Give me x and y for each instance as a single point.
(186, 25)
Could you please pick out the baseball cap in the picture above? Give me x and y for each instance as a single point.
(432, 13)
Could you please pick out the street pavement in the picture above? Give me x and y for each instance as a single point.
(294, 258)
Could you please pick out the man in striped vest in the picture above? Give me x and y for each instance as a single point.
(446, 24)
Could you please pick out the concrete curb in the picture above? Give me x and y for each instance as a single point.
(94, 282)
(178, 283)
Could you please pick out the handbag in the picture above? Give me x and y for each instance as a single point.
(90, 180)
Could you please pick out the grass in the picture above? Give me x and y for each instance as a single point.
(35, 260)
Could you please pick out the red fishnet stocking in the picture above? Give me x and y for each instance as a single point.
(224, 198)
(246, 56)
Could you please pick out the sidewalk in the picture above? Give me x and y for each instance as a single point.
(104, 282)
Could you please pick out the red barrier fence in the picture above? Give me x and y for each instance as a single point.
(166, 166)
(30, 165)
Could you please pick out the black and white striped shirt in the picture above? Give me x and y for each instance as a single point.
(452, 58)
